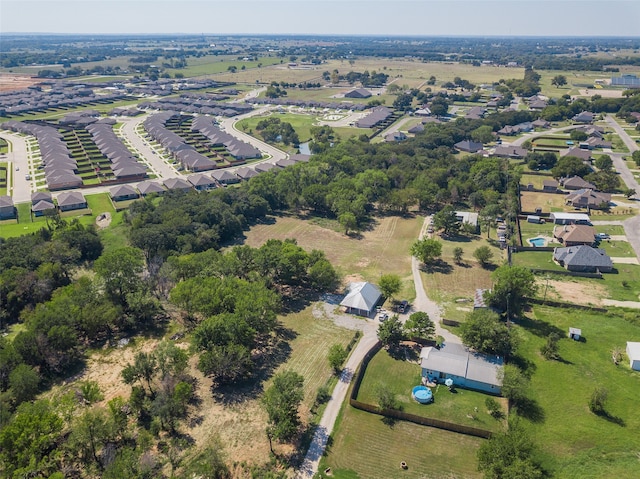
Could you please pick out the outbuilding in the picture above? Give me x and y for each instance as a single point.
(575, 334)
(633, 351)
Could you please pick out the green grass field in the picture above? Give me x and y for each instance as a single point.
(309, 347)
(577, 443)
(363, 447)
(382, 249)
(400, 376)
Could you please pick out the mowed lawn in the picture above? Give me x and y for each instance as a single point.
(365, 448)
(400, 376)
(577, 443)
(381, 250)
(309, 349)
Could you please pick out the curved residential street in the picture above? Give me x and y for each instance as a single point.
(367, 341)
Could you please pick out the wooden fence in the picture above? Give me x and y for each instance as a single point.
(403, 416)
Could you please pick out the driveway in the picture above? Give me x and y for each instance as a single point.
(369, 338)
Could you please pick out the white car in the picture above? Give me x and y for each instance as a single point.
(383, 317)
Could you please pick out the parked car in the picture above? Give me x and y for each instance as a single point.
(404, 304)
(383, 316)
(603, 236)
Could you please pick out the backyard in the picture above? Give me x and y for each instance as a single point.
(464, 407)
(578, 443)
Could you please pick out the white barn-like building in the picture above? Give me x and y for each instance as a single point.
(361, 299)
(633, 351)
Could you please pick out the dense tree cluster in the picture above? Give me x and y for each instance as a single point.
(275, 130)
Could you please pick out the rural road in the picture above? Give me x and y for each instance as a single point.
(632, 225)
(369, 338)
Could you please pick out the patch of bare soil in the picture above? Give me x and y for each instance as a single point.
(573, 292)
(103, 220)
(10, 82)
(106, 367)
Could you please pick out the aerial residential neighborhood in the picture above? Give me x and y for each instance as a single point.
(380, 248)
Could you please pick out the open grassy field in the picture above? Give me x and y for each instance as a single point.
(536, 260)
(382, 249)
(577, 443)
(301, 124)
(212, 64)
(535, 180)
(363, 447)
(400, 376)
(549, 202)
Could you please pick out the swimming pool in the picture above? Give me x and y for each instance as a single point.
(422, 394)
(537, 242)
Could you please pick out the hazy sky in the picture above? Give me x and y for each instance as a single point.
(388, 17)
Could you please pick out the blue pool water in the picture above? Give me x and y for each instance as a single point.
(537, 242)
(422, 394)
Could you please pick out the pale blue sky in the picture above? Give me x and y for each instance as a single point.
(359, 17)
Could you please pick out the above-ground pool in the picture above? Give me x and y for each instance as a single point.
(422, 394)
(537, 242)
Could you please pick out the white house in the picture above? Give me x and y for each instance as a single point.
(361, 299)
(633, 351)
(466, 368)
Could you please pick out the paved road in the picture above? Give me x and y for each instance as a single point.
(632, 225)
(369, 328)
(229, 124)
(152, 157)
(18, 168)
(531, 136)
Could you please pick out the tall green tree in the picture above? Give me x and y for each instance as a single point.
(420, 325)
(121, 270)
(389, 285)
(512, 285)
(446, 220)
(484, 332)
(281, 401)
(483, 254)
(559, 80)
(426, 250)
(391, 332)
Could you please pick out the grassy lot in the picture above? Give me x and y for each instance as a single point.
(448, 283)
(302, 124)
(535, 180)
(400, 376)
(382, 249)
(364, 447)
(549, 202)
(536, 259)
(577, 443)
(212, 64)
(618, 248)
(309, 347)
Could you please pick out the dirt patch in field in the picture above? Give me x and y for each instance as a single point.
(103, 220)
(10, 82)
(573, 292)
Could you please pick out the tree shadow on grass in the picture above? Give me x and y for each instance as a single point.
(539, 328)
(613, 419)
(527, 366)
(438, 266)
(530, 409)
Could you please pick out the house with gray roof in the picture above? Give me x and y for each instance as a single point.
(7, 208)
(588, 198)
(509, 151)
(264, 167)
(583, 259)
(177, 184)
(584, 117)
(362, 298)
(246, 173)
(123, 193)
(468, 146)
(576, 183)
(466, 368)
(358, 93)
(202, 182)
(147, 187)
(71, 200)
(40, 196)
(41, 206)
(224, 177)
